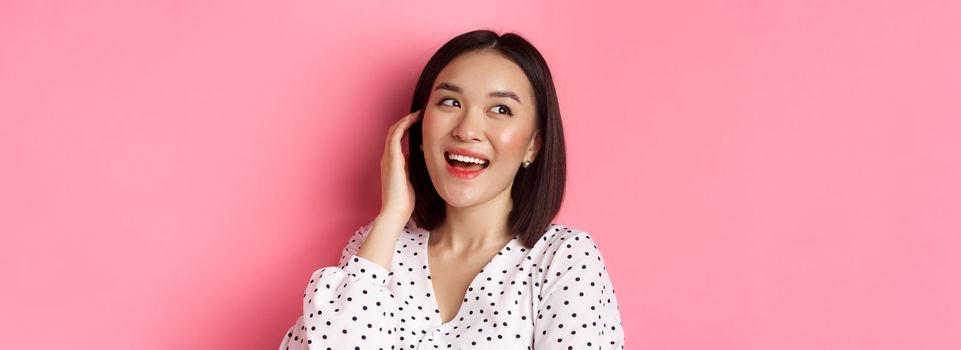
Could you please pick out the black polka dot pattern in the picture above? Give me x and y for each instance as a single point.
(556, 295)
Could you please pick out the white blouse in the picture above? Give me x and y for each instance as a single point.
(556, 295)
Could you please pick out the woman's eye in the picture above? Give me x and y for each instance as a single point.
(456, 104)
(502, 109)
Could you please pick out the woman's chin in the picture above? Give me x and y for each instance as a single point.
(460, 202)
(461, 198)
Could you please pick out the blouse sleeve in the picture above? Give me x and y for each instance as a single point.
(577, 307)
(346, 306)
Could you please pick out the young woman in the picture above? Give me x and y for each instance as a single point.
(464, 253)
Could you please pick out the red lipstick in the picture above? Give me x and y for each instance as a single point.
(461, 173)
(464, 174)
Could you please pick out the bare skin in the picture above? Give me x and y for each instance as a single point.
(452, 273)
(501, 129)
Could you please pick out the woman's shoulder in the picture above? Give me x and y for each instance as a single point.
(567, 251)
(563, 240)
(557, 233)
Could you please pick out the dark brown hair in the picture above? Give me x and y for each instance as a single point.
(538, 190)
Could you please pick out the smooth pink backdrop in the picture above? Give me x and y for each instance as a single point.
(758, 174)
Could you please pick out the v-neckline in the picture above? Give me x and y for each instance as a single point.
(430, 281)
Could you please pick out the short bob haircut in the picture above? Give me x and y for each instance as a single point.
(538, 190)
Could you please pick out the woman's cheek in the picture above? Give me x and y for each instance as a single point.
(512, 140)
(430, 127)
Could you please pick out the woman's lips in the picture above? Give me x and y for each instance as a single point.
(464, 174)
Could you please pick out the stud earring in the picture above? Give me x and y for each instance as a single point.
(527, 163)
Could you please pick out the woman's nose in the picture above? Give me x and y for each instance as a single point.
(470, 128)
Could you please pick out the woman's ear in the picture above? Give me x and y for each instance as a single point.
(534, 146)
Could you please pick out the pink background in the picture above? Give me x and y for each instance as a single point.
(758, 175)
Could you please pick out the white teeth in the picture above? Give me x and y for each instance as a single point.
(466, 159)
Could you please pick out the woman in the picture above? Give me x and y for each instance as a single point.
(463, 253)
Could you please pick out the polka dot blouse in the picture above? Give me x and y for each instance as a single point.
(556, 295)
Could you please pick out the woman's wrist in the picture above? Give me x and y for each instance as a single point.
(392, 218)
(378, 247)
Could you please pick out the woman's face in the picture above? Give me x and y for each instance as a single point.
(481, 104)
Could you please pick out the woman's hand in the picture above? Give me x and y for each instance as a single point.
(397, 194)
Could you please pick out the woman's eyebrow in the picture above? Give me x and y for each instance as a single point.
(457, 89)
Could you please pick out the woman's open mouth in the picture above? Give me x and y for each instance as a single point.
(464, 167)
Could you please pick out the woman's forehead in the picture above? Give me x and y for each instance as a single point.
(481, 73)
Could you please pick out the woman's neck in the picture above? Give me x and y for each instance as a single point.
(478, 227)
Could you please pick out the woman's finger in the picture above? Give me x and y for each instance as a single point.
(391, 133)
(400, 129)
